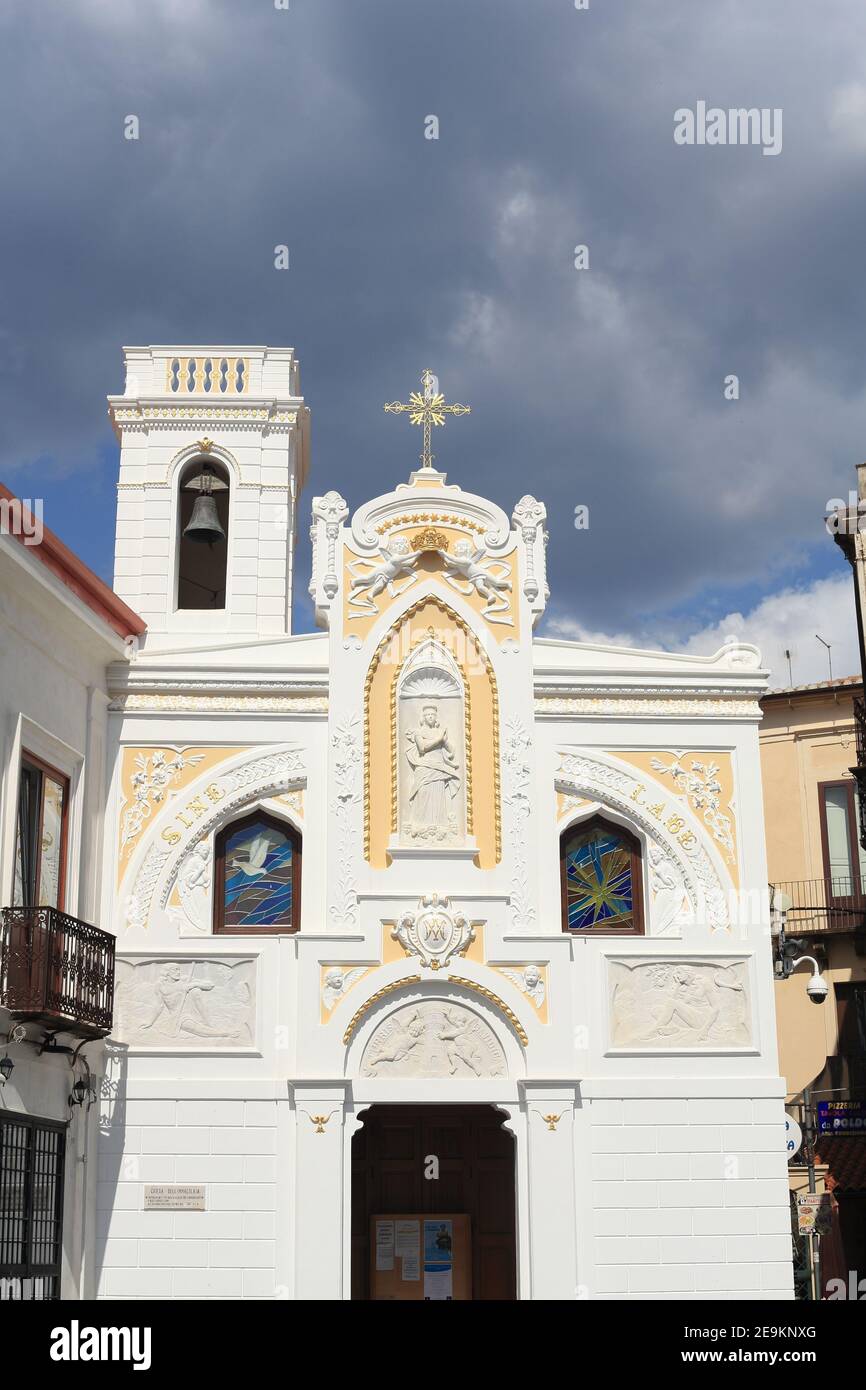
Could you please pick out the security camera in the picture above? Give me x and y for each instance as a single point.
(817, 989)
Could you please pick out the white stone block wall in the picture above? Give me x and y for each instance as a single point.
(227, 1251)
(689, 1199)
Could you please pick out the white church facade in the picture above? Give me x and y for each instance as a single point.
(442, 950)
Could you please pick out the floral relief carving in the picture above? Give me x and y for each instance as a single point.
(518, 778)
(150, 783)
(702, 789)
(347, 766)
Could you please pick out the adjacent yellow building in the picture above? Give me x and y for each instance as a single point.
(817, 872)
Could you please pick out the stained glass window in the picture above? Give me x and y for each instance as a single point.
(601, 879)
(258, 876)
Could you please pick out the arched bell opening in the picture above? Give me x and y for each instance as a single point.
(203, 527)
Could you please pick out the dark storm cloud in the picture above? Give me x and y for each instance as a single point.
(602, 386)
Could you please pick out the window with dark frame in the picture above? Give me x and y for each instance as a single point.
(32, 1154)
(844, 857)
(257, 877)
(601, 879)
(851, 1018)
(40, 840)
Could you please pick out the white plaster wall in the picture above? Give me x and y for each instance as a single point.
(53, 703)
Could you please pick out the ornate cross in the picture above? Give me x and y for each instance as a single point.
(426, 408)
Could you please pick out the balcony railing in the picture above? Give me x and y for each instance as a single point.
(56, 970)
(824, 905)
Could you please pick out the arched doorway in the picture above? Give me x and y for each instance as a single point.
(476, 1178)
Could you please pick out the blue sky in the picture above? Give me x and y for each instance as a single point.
(602, 386)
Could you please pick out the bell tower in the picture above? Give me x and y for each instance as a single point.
(214, 448)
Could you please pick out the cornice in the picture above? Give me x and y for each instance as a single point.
(145, 413)
(660, 701)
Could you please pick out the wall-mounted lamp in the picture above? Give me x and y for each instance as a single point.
(82, 1092)
(83, 1089)
(7, 1066)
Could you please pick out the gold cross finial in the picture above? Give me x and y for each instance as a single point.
(426, 408)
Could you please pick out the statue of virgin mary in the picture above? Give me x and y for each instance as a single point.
(435, 779)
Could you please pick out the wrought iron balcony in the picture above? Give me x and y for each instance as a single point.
(56, 970)
(824, 905)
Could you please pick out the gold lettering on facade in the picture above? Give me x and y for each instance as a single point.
(675, 823)
(196, 807)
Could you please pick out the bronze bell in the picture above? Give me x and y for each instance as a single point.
(204, 526)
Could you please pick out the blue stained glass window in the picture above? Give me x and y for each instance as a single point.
(599, 873)
(259, 876)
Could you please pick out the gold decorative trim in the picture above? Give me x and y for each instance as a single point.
(494, 999)
(203, 411)
(429, 539)
(429, 518)
(228, 704)
(284, 488)
(373, 1000)
(404, 617)
(188, 452)
(636, 706)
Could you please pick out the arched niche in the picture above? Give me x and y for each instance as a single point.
(430, 751)
(203, 486)
(447, 651)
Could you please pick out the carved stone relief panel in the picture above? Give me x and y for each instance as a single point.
(434, 932)
(431, 749)
(688, 1004)
(185, 1003)
(433, 1038)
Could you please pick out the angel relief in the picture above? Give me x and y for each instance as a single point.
(468, 572)
(397, 561)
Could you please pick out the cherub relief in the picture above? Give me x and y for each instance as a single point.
(398, 561)
(466, 574)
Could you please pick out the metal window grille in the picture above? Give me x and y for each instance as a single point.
(32, 1155)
